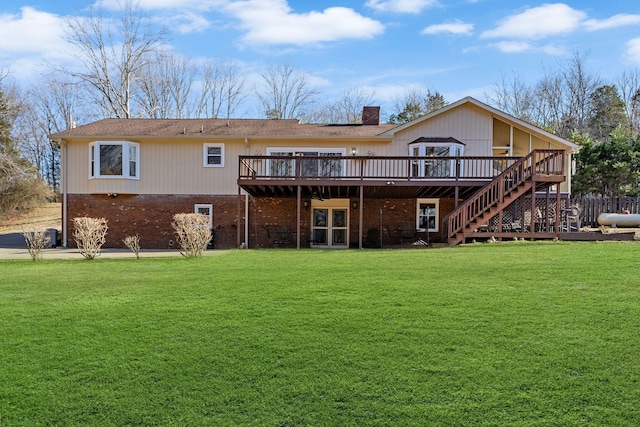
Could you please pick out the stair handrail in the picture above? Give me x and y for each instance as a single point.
(494, 192)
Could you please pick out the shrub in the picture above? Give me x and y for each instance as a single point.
(89, 234)
(133, 243)
(193, 233)
(36, 241)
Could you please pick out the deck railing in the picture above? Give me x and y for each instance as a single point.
(397, 168)
(536, 163)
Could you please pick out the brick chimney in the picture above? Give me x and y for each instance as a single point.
(371, 116)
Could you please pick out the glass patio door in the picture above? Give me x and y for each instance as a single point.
(329, 227)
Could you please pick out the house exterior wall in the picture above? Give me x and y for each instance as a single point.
(176, 166)
(167, 166)
(467, 124)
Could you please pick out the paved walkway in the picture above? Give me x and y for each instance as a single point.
(12, 246)
(62, 253)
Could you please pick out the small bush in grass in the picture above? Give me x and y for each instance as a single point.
(133, 243)
(193, 233)
(36, 241)
(89, 234)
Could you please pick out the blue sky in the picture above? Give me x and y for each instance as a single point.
(457, 47)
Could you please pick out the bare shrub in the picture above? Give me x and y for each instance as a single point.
(133, 243)
(36, 241)
(193, 233)
(89, 234)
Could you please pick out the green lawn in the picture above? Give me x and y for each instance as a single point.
(525, 334)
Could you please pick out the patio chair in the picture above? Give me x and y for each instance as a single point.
(273, 239)
(573, 219)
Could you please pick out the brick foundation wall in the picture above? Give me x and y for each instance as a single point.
(150, 217)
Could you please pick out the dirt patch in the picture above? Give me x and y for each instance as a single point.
(48, 215)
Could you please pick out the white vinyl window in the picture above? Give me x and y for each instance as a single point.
(213, 155)
(206, 210)
(427, 215)
(430, 164)
(114, 159)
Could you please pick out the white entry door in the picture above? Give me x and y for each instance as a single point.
(330, 227)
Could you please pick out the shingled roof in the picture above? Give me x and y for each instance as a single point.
(236, 128)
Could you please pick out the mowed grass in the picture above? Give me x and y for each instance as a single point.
(525, 334)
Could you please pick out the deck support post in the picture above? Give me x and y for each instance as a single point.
(557, 210)
(239, 228)
(457, 196)
(360, 218)
(298, 213)
(534, 210)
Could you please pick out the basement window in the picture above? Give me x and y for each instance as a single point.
(206, 210)
(427, 215)
(114, 159)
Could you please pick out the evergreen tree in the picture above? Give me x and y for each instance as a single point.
(609, 168)
(607, 113)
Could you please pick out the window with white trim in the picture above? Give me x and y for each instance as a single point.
(322, 164)
(427, 215)
(114, 159)
(213, 155)
(206, 210)
(433, 167)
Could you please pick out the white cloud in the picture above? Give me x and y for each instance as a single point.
(539, 22)
(521, 47)
(457, 27)
(265, 22)
(30, 32)
(189, 22)
(401, 6)
(273, 22)
(164, 4)
(633, 50)
(513, 47)
(613, 22)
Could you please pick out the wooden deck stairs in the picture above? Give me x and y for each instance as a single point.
(539, 169)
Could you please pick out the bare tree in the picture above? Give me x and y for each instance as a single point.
(165, 86)
(50, 109)
(548, 104)
(112, 55)
(513, 96)
(346, 110)
(580, 84)
(628, 85)
(285, 92)
(560, 102)
(222, 90)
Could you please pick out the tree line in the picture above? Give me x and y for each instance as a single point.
(124, 69)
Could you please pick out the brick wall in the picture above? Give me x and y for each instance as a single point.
(150, 217)
(277, 213)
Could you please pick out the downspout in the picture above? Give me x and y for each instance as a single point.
(63, 178)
